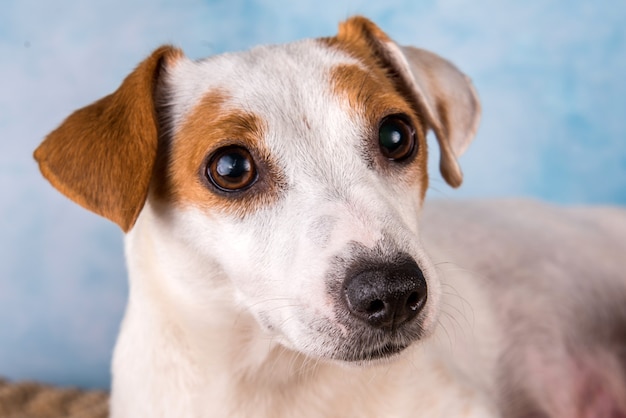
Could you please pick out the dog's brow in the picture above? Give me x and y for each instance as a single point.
(366, 91)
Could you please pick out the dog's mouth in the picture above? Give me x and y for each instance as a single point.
(384, 352)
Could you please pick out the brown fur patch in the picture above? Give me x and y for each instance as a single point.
(358, 29)
(102, 155)
(373, 95)
(181, 177)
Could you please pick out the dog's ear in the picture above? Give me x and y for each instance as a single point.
(102, 156)
(444, 94)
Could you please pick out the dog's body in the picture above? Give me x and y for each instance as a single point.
(278, 265)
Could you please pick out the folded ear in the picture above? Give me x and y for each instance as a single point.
(451, 106)
(102, 155)
(444, 94)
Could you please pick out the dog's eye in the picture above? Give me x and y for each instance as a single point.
(231, 169)
(396, 138)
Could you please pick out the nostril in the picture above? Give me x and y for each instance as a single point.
(375, 306)
(413, 302)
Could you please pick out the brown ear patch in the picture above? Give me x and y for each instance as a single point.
(180, 178)
(360, 38)
(359, 28)
(102, 155)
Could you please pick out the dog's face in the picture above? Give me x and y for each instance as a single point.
(296, 172)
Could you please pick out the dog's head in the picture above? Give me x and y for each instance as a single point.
(296, 172)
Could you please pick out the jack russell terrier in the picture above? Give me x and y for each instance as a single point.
(279, 265)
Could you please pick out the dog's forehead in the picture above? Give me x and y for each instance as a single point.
(267, 80)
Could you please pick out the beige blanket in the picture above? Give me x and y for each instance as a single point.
(33, 400)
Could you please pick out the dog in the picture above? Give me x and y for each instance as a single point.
(281, 264)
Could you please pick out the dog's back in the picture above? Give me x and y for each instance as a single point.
(557, 280)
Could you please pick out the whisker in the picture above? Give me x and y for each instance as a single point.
(445, 330)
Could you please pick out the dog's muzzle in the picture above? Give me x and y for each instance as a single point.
(386, 295)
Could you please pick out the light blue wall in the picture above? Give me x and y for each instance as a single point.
(551, 75)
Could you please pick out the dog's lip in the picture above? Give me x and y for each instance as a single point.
(385, 351)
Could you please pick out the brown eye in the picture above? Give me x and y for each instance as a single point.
(396, 138)
(231, 169)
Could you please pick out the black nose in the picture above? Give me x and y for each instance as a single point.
(386, 295)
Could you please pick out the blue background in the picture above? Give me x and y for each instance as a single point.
(551, 76)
